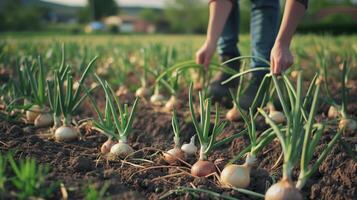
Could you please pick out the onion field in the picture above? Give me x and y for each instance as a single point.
(129, 117)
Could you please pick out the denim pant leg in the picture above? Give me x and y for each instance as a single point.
(264, 28)
(227, 43)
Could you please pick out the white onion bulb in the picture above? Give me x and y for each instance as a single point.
(43, 120)
(190, 148)
(157, 99)
(32, 113)
(333, 112)
(65, 134)
(121, 150)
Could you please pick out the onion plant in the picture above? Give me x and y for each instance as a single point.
(143, 90)
(32, 84)
(114, 125)
(238, 176)
(340, 111)
(173, 155)
(104, 125)
(172, 85)
(168, 55)
(207, 138)
(70, 98)
(53, 93)
(299, 138)
(9, 106)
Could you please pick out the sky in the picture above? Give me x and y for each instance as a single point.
(129, 3)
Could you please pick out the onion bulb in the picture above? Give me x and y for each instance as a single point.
(121, 150)
(107, 145)
(283, 190)
(43, 120)
(238, 175)
(233, 115)
(197, 85)
(203, 168)
(32, 113)
(171, 103)
(157, 99)
(347, 124)
(294, 74)
(65, 134)
(333, 112)
(122, 91)
(277, 116)
(173, 155)
(190, 149)
(141, 92)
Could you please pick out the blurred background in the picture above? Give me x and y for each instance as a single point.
(153, 16)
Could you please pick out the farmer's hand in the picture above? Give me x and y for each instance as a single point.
(205, 53)
(280, 58)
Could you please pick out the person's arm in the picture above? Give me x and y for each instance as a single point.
(281, 57)
(218, 14)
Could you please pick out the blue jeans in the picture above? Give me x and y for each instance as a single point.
(263, 27)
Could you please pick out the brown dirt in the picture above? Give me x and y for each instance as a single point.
(78, 163)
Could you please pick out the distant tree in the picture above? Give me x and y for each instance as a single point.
(188, 16)
(150, 15)
(102, 8)
(84, 15)
(17, 17)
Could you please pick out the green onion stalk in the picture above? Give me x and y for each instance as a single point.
(207, 138)
(175, 154)
(157, 98)
(143, 90)
(53, 84)
(104, 125)
(300, 137)
(70, 97)
(122, 124)
(191, 64)
(172, 85)
(22, 87)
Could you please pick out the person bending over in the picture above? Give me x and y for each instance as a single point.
(268, 41)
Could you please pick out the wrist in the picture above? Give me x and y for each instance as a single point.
(210, 43)
(282, 43)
